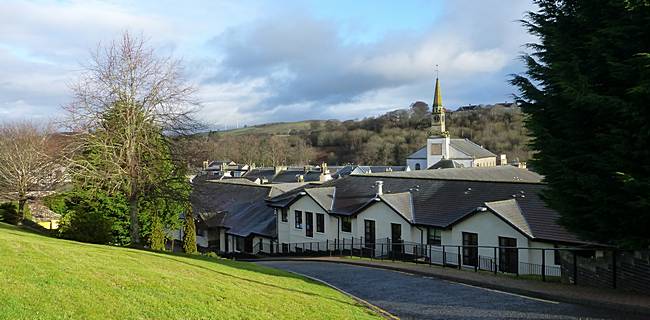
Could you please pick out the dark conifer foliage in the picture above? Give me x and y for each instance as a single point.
(586, 92)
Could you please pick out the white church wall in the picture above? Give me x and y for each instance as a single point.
(413, 164)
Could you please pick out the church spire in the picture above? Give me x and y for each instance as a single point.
(437, 112)
(437, 97)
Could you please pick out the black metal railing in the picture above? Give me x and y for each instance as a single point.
(590, 266)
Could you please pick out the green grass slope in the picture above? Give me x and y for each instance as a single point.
(279, 128)
(46, 278)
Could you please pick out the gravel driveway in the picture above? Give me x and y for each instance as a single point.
(415, 297)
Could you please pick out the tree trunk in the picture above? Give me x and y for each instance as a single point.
(135, 223)
(21, 210)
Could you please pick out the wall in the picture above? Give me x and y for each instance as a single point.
(486, 162)
(288, 233)
(489, 228)
(432, 159)
(412, 162)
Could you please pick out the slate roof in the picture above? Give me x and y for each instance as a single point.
(446, 164)
(323, 196)
(463, 145)
(401, 202)
(510, 211)
(420, 154)
(443, 202)
(494, 174)
(470, 148)
(242, 207)
(344, 171)
(260, 173)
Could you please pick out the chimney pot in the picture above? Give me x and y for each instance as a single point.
(380, 187)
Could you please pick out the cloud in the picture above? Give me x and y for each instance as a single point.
(305, 62)
(255, 62)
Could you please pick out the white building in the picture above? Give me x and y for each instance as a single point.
(442, 151)
(421, 211)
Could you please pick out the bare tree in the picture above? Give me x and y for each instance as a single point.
(127, 103)
(29, 159)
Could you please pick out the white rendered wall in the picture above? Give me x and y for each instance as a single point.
(412, 162)
(288, 233)
(489, 228)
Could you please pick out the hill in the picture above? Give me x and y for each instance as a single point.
(277, 128)
(383, 140)
(47, 278)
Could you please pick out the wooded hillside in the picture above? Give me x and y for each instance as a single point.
(384, 140)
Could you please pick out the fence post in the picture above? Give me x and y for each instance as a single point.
(381, 256)
(575, 268)
(495, 260)
(478, 261)
(428, 248)
(543, 265)
(614, 253)
(343, 247)
(352, 248)
(459, 260)
(444, 257)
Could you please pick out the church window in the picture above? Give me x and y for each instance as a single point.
(417, 166)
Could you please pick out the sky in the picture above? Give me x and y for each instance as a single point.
(256, 62)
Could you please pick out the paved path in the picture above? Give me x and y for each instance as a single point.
(416, 297)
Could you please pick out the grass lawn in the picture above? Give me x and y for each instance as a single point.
(46, 278)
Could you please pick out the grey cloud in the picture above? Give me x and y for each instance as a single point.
(304, 60)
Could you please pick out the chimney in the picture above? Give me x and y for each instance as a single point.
(205, 164)
(380, 187)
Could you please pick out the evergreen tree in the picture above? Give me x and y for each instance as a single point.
(189, 233)
(586, 92)
(157, 238)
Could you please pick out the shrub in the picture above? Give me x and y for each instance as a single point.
(9, 212)
(157, 238)
(86, 226)
(189, 236)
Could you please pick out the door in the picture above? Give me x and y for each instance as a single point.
(470, 251)
(369, 233)
(396, 237)
(508, 255)
(309, 224)
(248, 244)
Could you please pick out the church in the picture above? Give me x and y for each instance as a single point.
(442, 151)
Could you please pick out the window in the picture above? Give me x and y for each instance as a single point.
(239, 243)
(320, 222)
(309, 224)
(346, 224)
(417, 166)
(433, 236)
(284, 215)
(298, 219)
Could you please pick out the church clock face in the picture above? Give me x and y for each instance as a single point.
(436, 118)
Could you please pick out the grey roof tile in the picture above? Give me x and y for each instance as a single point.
(498, 173)
(510, 211)
(470, 148)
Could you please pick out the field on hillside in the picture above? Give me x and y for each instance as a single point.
(280, 128)
(46, 278)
